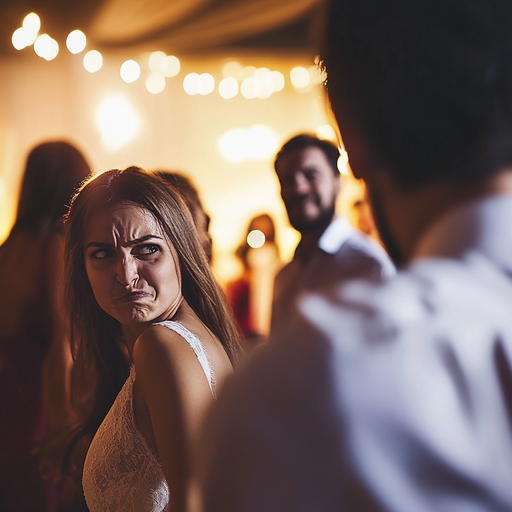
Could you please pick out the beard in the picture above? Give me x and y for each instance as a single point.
(382, 225)
(318, 223)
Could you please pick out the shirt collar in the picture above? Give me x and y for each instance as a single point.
(335, 235)
(483, 225)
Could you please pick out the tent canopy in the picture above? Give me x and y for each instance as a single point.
(184, 26)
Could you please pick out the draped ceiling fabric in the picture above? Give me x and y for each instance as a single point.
(193, 25)
(121, 21)
(185, 26)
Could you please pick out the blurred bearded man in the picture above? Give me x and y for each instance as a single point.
(330, 249)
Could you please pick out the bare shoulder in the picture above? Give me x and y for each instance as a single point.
(166, 367)
(159, 342)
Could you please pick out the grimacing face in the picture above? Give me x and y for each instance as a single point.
(309, 188)
(131, 265)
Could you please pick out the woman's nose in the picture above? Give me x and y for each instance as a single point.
(126, 270)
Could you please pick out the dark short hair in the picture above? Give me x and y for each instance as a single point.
(428, 82)
(306, 140)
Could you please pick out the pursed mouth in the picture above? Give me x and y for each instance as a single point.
(133, 296)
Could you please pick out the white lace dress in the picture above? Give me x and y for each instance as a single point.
(121, 473)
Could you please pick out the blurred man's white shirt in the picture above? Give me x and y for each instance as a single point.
(342, 253)
(391, 397)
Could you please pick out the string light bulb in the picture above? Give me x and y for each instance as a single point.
(130, 71)
(46, 47)
(32, 23)
(155, 83)
(300, 77)
(26, 34)
(228, 88)
(76, 41)
(93, 61)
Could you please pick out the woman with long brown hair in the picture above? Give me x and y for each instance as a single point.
(152, 336)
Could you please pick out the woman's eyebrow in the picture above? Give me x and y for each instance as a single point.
(143, 239)
(135, 241)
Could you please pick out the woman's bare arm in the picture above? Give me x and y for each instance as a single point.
(176, 392)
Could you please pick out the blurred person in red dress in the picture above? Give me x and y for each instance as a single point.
(250, 295)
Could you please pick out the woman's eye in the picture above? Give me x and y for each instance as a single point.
(148, 249)
(101, 254)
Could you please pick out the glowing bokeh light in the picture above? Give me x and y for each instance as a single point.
(261, 73)
(46, 47)
(31, 23)
(93, 61)
(228, 87)
(130, 71)
(27, 33)
(53, 51)
(343, 162)
(263, 88)
(233, 69)
(76, 41)
(205, 84)
(276, 80)
(300, 77)
(155, 61)
(247, 72)
(259, 142)
(117, 122)
(42, 45)
(170, 66)
(326, 131)
(155, 83)
(20, 38)
(256, 239)
(264, 92)
(250, 88)
(189, 84)
(263, 142)
(232, 145)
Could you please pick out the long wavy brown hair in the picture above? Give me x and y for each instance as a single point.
(101, 367)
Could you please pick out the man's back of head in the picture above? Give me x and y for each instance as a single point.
(429, 83)
(423, 90)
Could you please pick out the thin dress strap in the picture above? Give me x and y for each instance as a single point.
(197, 347)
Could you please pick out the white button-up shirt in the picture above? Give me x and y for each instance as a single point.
(391, 397)
(342, 253)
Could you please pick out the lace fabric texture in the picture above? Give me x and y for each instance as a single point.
(121, 473)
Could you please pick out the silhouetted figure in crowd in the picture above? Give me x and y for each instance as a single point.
(250, 295)
(363, 217)
(34, 351)
(396, 397)
(330, 250)
(189, 193)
